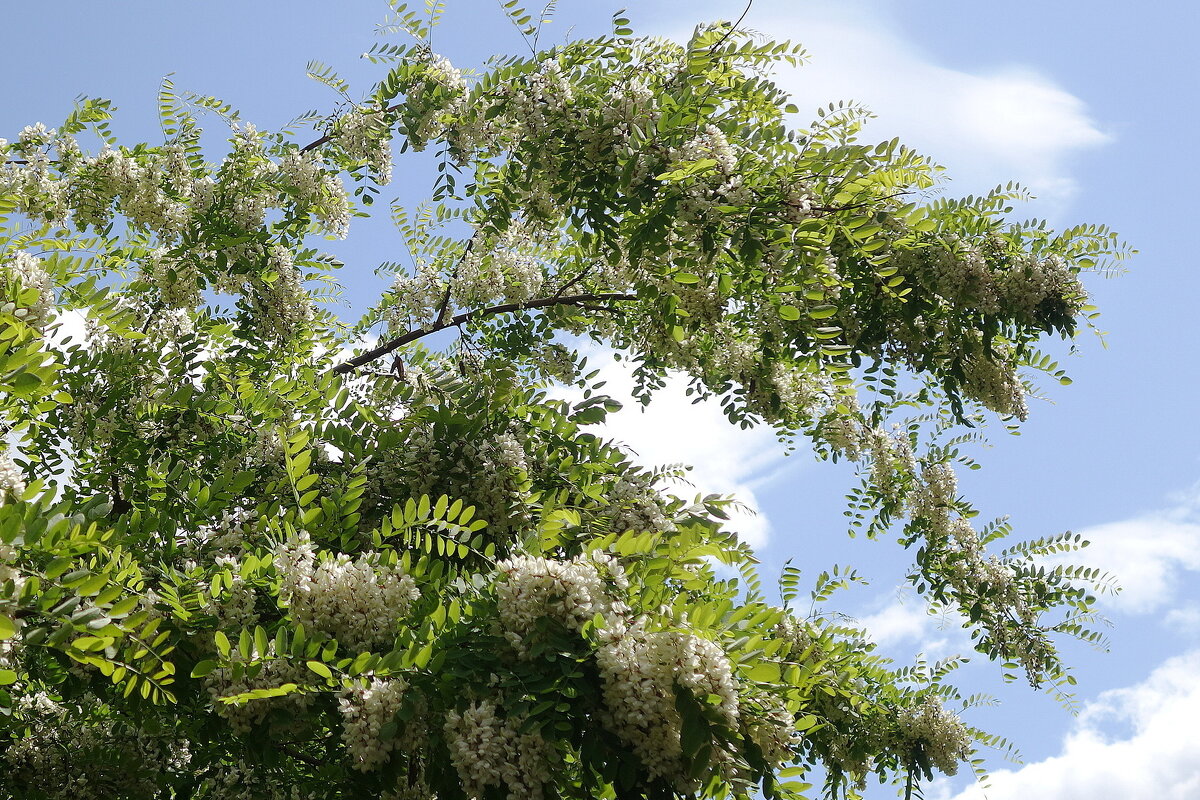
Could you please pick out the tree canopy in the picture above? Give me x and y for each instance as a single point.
(252, 548)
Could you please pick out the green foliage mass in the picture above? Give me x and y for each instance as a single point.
(251, 549)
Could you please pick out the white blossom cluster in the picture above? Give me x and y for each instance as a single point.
(177, 280)
(245, 781)
(159, 192)
(959, 552)
(494, 269)
(933, 497)
(995, 383)
(489, 472)
(1029, 280)
(357, 601)
(488, 750)
(226, 534)
(945, 738)
(891, 458)
(365, 709)
(12, 481)
(721, 185)
(283, 305)
(439, 94)
(235, 607)
(547, 93)
(774, 731)
(23, 272)
(994, 279)
(572, 592)
(634, 505)
(10, 649)
(364, 135)
(271, 673)
(640, 670)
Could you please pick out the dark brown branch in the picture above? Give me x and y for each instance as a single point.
(472, 316)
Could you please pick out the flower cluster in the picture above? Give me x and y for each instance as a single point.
(160, 192)
(488, 750)
(239, 678)
(30, 294)
(235, 608)
(995, 279)
(774, 731)
(357, 601)
(364, 135)
(994, 383)
(12, 482)
(240, 780)
(719, 185)
(944, 737)
(365, 709)
(634, 505)
(572, 592)
(640, 670)
(283, 306)
(489, 472)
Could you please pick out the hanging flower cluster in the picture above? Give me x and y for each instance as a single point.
(945, 739)
(640, 670)
(357, 601)
(28, 292)
(365, 709)
(489, 750)
(572, 592)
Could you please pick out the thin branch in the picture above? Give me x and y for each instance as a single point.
(313, 145)
(472, 316)
(732, 27)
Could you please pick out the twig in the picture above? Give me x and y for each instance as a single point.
(472, 316)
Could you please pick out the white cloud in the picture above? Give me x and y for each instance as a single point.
(1148, 556)
(725, 459)
(1136, 743)
(987, 126)
(1184, 620)
(904, 621)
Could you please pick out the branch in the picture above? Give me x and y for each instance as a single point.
(313, 145)
(472, 316)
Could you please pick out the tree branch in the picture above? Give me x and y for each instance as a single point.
(472, 316)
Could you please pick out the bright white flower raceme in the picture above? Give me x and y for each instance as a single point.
(357, 601)
(946, 740)
(640, 670)
(490, 750)
(365, 709)
(23, 275)
(572, 592)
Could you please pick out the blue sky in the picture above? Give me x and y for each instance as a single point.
(1088, 103)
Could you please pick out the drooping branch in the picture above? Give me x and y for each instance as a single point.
(580, 300)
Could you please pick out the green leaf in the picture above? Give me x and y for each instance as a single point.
(204, 668)
(320, 669)
(790, 313)
(8, 628)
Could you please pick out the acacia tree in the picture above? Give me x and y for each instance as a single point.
(250, 549)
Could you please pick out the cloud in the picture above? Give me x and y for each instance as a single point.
(1135, 743)
(1148, 555)
(725, 459)
(1184, 620)
(987, 126)
(904, 620)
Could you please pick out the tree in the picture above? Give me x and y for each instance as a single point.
(253, 550)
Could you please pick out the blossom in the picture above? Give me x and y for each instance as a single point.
(357, 601)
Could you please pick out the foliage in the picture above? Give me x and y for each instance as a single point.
(251, 550)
